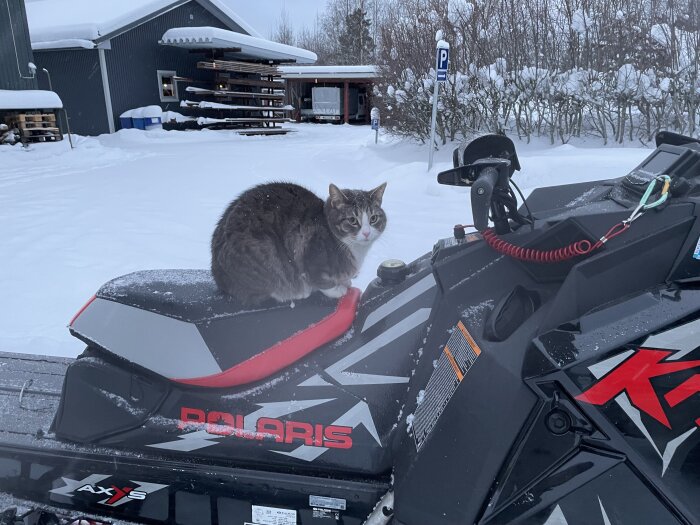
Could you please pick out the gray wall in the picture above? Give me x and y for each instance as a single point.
(15, 22)
(76, 77)
(136, 56)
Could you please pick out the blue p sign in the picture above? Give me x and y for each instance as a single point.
(443, 57)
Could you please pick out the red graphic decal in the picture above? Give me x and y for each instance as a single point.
(271, 427)
(225, 424)
(633, 376)
(684, 391)
(338, 437)
(118, 494)
(301, 431)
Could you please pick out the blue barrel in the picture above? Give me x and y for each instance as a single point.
(125, 120)
(139, 122)
(153, 122)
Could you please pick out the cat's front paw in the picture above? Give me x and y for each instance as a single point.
(336, 292)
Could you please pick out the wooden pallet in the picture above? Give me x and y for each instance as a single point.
(40, 135)
(35, 127)
(39, 124)
(36, 117)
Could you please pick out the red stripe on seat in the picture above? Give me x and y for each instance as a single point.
(287, 351)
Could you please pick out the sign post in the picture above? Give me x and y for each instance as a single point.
(375, 117)
(441, 61)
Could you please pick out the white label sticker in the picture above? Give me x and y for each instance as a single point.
(274, 516)
(327, 503)
(696, 252)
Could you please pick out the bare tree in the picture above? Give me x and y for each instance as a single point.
(283, 32)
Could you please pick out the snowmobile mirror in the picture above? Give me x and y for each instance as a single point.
(465, 159)
(491, 146)
(458, 176)
(456, 158)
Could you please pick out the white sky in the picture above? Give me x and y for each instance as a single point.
(264, 14)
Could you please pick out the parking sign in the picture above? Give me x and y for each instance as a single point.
(443, 58)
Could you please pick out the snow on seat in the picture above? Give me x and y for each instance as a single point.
(178, 325)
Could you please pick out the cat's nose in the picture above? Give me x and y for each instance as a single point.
(366, 234)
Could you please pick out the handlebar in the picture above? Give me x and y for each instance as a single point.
(482, 191)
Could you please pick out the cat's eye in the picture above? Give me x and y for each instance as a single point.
(352, 221)
(373, 219)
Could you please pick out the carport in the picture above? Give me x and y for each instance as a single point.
(301, 79)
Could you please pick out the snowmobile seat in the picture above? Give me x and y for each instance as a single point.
(177, 324)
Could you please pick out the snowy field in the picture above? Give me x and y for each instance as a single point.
(71, 220)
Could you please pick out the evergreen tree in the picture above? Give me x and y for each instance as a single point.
(356, 45)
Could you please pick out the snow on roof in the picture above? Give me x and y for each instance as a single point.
(292, 72)
(29, 99)
(251, 47)
(61, 20)
(66, 43)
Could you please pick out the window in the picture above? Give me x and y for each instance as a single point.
(167, 86)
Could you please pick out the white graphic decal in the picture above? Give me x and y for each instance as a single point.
(672, 446)
(73, 485)
(606, 520)
(556, 517)
(189, 442)
(401, 299)
(339, 372)
(683, 338)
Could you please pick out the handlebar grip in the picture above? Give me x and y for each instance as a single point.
(482, 190)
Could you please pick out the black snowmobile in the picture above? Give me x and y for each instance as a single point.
(541, 371)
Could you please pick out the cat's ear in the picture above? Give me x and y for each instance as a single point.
(377, 193)
(337, 196)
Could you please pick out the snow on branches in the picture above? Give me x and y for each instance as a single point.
(561, 69)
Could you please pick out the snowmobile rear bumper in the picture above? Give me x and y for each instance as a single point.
(156, 490)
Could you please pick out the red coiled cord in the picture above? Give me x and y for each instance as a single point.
(566, 253)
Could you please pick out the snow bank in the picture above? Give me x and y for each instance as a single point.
(147, 112)
(29, 99)
(169, 116)
(137, 200)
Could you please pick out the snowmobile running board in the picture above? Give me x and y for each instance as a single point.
(103, 481)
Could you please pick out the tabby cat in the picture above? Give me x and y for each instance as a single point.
(281, 241)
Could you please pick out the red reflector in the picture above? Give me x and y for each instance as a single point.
(81, 310)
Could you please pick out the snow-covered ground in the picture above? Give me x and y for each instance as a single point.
(72, 219)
